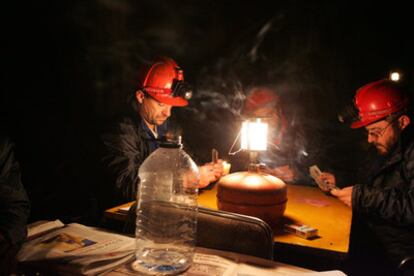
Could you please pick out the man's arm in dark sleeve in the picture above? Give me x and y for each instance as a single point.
(123, 156)
(395, 205)
(14, 203)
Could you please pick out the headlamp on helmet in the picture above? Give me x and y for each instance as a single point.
(181, 89)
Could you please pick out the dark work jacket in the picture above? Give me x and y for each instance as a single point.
(384, 207)
(14, 203)
(127, 145)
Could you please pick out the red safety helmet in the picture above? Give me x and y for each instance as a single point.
(264, 97)
(377, 100)
(163, 80)
(260, 97)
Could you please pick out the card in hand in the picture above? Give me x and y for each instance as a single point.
(315, 172)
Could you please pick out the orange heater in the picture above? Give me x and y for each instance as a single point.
(253, 194)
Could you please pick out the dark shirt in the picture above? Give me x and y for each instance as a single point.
(149, 135)
(127, 145)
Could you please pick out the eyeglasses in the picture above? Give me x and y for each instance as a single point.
(379, 132)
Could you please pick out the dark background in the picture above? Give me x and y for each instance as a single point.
(68, 67)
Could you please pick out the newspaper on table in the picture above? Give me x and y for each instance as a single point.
(206, 262)
(77, 248)
(41, 227)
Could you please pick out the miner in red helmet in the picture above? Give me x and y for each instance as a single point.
(161, 87)
(383, 207)
(285, 156)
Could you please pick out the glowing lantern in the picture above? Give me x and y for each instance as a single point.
(254, 135)
(252, 192)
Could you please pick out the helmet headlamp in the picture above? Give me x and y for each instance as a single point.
(181, 89)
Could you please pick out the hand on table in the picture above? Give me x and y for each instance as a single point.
(344, 195)
(210, 172)
(218, 169)
(328, 178)
(326, 181)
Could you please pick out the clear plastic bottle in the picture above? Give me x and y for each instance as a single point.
(166, 212)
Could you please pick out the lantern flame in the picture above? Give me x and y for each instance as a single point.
(254, 135)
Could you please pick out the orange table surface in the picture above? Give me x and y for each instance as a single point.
(306, 205)
(310, 206)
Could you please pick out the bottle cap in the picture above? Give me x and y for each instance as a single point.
(170, 144)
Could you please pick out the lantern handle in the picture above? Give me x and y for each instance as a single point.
(234, 143)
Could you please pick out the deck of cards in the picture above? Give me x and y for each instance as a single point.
(301, 230)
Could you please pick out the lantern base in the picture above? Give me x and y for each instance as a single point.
(254, 194)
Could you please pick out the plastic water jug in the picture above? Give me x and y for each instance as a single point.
(166, 211)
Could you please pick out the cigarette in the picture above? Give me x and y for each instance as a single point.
(214, 155)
